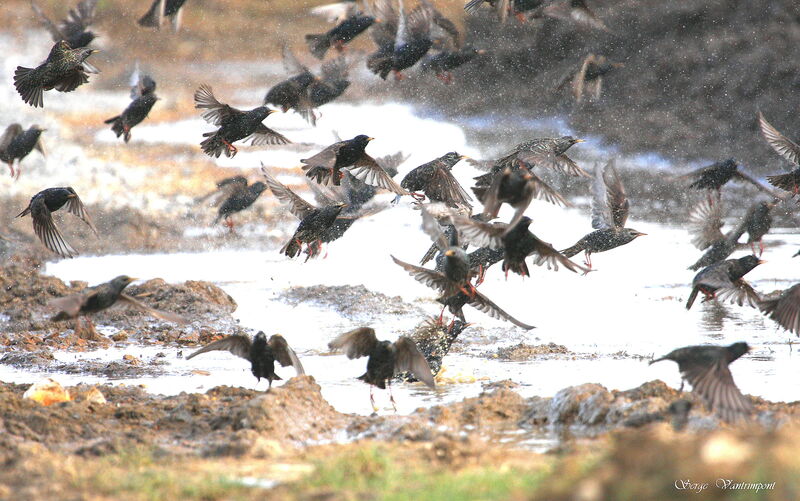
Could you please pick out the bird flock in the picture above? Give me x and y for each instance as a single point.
(345, 178)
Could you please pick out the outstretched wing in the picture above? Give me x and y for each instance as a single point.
(431, 278)
(478, 233)
(46, 230)
(356, 343)
(297, 206)
(216, 112)
(785, 148)
(484, 304)
(163, 315)
(609, 202)
(284, 354)
(368, 170)
(409, 359)
(237, 344)
(715, 386)
(76, 208)
(785, 309)
(705, 223)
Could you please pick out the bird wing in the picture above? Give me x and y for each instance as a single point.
(390, 163)
(579, 80)
(478, 233)
(583, 15)
(431, 278)
(544, 191)
(263, 135)
(409, 359)
(716, 277)
(433, 229)
(384, 33)
(416, 25)
(237, 344)
(79, 18)
(329, 195)
(547, 254)
(47, 23)
(444, 186)
(560, 163)
(785, 309)
(290, 62)
(68, 306)
(368, 170)
(46, 230)
(705, 222)
(144, 85)
(284, 354)
(740, 293)
(484, 304)
(335, 12)
(9, 134)
(609, 203)
(444, 25)
(745, 177)
(297, 206)
(217, 112)
(76, 208)
(163, 315)
(325, 158)
(335, 69)
(785, 148)
(355, 343)
(715, 386)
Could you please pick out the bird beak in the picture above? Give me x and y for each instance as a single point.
(131, 280)
(481, 51)
(640, 234)
(464, 157)
(72, 195)
(272, 111)
(370, 139)
(94, 51)
(378, 20)
(449, 253)
(580, 140)
(761, 261)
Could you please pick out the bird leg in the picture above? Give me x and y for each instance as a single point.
(521, 17)
(587, 259)
(398, 76)
(760, 247)
(441, 316)
(481, 275)
(338, 45)
(468, 289)
(11, 167)
(452, 323)
(372, 399)
(229, 223)
(19, 171)
(419, 197)
(391, 398)
(232, 150)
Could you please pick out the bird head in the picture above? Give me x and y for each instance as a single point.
(122, 281)
(634, 233)
(452, 158)
(738, 349)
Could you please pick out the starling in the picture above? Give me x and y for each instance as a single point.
(435, 179)
(144, 97)
(160, 9)
(233, 124)
(402, 39)
(292, 93)
(444, 62)
(358, 192)
(758, 221)
(518, 243)
(503, 7)
(545, 152)
(261, 354)
(325, 167)
(705, 224)
(589, 78)
(576, 11)
(434, 340)
(241, 197)
(609, 213)
(224, 189)
(517, 187)
(64, 70)
(706, 369)
(787, 149)
(73, 29)
(385, 359)
(16, 143)
(724, 281)
(338, 36)
(784, 309)
(713, 177)
(41, 207)
(313, 221)
(336, 12)
(331, 84)
(98, 298)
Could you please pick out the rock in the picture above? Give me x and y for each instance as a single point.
(47, 392)
(565, 406)
(22, 359)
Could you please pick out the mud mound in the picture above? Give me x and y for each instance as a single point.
(523, 351)
(352, 301)
(189, 298)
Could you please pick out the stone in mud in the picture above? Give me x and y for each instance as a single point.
(487, 408)
(522, 351)
(244, 443)
(190, 297)
(566, 404)
(47, 392)
(28, 359)
(352, 301)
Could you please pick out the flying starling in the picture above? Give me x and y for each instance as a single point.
(788, 150)
(325, 167)
(357, 192)
(331, 83)
(444, 62)
(16, 143)
(724, 281)
(385, 359)
(98, 298)
(338, 36)
(292, 93)
(705, 223)
(75, 28)
(609, 212)
(261, 354)
(154, 17)
(517, 241)
(233, 124)
(402, 39)
(144, 97)
(64, 70)
(336, 12)
(503, 7)
(784, 309)
(314, 221)
(241, 197)
(706, 369)
(435, 179)
(589, 78)
(41, 207)
(576, 11)
(713, 177)
(758, 221)
(546, 152)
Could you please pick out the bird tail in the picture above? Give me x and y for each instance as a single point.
(692, 297)
(786, 182)
(152, 18)
(214, 147)
(571, 251)
(472, 6)
(518, 267)
(318, 44)
(380, 64)
(25, 83)
(117, 127)
(292, 248)
(379, 384)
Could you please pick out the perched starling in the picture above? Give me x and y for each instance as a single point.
(545, 152)
(788, 150)
(241, 197)
(758, 221)
(325, 167)
(98, 298)
(589, 78)
(338, 36)
(233, 124)
(435, 179)
(609, 213)
(336, 12)
(713, 177)
(16, 143)
(705, 222)
(517, 241)
(784, 309)
(64, 70)
(706, 369)
(385, 358)
(41, 207)
(314, 221)
(444, 62)
(292, 93)
(144, 97)
(724, 281)
(402, 39)
(154, 17)
(261, 354)
(74, 29)
(576, 11)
